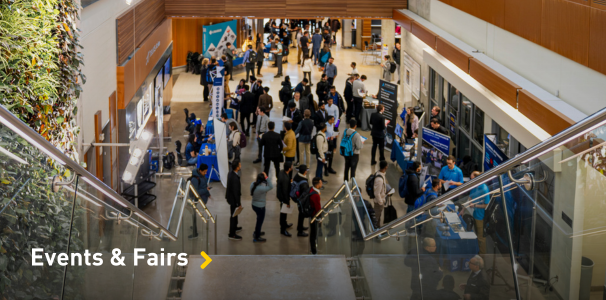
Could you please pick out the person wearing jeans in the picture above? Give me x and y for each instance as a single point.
(351, 162)
(322, 145)
(190, 153)
(304, 131)
(258, 191)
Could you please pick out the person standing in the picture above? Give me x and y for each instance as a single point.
(435, 113)
(300, 88)
(348, 95)
(272, 144)
(257, 90)
(232, 195)
(298, 180)
(413, 187)
(396, 59)
(246, 109)
(262, 123)
(335, 101)
(322, 89)
(204, 79)
(335, 26)
(305, 44)
(434, 125)
(258, 191)
(359, 91)
(265, 100)
(322, 145)
(200, 183)
(380, 189)
(304, 131)
(314, 198)
(377, 121)
(290, 140)
(479, 209)
(230, 52)
(477, 286)
(331, 71)
(325, 54)
(351, 161)
(316, 45)
(387, 68)
(451, 174)
(260, 53)
(285, 94)
(320, 116)
(279, 53)
(430, 270)
(306, 68)
(412, 124)
(250, 58)
(283, 195)
(331, 137)
(234, 141)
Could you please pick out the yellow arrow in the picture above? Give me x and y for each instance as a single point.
(208, 260)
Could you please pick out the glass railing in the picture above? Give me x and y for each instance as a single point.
(531, 228)
(50, 205)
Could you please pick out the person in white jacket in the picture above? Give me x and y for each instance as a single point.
(306, 67)
(322, 145)
(380, 189)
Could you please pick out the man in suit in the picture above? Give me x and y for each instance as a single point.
(321, 116)
(272, 142)
(377, 121)
(230, 52)
(348, 95)
(430, 269)
(283, 194)
(477, 286)
(247, 107)
(257, 90)
(265, 100)
(232, 195)
(322, 89)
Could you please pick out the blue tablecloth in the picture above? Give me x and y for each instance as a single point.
(397, 154)
(238, 61)
(458, 251)
(211, 161)
(210, 128)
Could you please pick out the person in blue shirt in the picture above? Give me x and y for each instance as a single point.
(316, 41)
(451, 173)
(200, 182)
(479, 207)
(190, 150)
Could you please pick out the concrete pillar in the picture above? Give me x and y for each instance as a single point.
(346, 33)
(359, 44)
(259, 27)
(388, 33)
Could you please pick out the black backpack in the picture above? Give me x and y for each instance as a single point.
(392, 67)
(370, 185)
(313, 147)
(252, 56)
(168, 160)
(306, 208)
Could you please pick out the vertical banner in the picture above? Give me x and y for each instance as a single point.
(453, 124)
(222, 159)
(493, 156)
(218, 93)
(215, 37)
(388, 97)
(434, 151)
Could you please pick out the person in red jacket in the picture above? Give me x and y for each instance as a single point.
(314, 197)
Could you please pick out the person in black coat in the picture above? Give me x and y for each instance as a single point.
(430, 269)
(377, 121)
(272, 152)
(283, 195)
(412, 186)
(285, 93)
(348, 96)
(257, 90)
(477, 287)
(322, 89)
(434, 125)
(300, 177)
(247, 107)
(321, 116)
(296, 117)
(233, 194)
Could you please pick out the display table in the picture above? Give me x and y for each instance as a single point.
(238, 61)
(210, 128)
(365, 115)
(457, 250)
(398, 155)
(210, 160)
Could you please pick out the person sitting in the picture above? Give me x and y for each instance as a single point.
(191, 156)
(200, 182)
(477, 286)
(434, 125)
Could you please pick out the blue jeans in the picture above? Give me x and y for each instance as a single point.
(193, 161)
(316, 54)
(320, 168)
(260, 211)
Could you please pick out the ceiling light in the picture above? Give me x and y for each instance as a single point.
(127, 176)
(146, 135)
(137, 152)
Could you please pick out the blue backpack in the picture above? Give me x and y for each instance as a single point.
(402, 185)
(428, 196)
(347, 145)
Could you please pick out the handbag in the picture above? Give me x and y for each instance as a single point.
(389, 213)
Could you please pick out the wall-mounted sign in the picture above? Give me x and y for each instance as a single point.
(493, 156)
(412, 71)
(388, 96)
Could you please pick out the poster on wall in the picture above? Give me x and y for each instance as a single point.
(412, 72)
(217, 93)
(434, 150)
(215, 37)
(493, 156)
(388, 97)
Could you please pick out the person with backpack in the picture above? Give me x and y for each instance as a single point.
(233, 142)
(377, 121)
(411, 190)
(200, 182)
(258, 191)
(380, 189)
(351, 144)
(314, 199)
(389, 67)
(298, 182)
(283, 195)
(429, 195)
(321, 148)
(304, 131)
(290, 140)
(250, 58)
(262, 128)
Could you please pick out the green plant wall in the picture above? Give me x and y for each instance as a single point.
(40, 67)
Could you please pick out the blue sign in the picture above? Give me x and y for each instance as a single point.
(437, 140)
(453, 123)
(493, 156)
(215, 37)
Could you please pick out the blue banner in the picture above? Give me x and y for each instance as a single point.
(215, 37)
(439, 141)
(493, 156)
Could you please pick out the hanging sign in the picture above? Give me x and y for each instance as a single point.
(493, 156)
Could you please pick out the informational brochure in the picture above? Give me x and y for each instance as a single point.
(287, 210)
(238, 211)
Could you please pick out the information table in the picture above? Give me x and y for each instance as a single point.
(210, 160)
(454, 248)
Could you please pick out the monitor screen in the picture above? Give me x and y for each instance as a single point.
(399, 130)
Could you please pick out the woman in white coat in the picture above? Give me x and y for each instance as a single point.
(306, 67)
(387, 68)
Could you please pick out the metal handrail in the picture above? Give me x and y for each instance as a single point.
(11, 121)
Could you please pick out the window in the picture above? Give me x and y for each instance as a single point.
(445, 90)
(478, 125)
(434, 84)
(466, 109)
(476, 156)
(454, 98)
(463, 146)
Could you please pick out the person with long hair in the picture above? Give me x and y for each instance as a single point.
(240, 87)
(412, 123)
(204, 79)
(324, 56)
(258, 191)
(306, 66)
(260, 53)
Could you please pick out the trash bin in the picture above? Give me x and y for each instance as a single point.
(586, 275)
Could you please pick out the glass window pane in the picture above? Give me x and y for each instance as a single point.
(454, 98)
(433, 83)
(478, 125)
(452, 118)
(445, 91)
(466, 108)
(476, 156)
(436, 86)
(463, 146)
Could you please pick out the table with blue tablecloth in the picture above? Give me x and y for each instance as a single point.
(238, 61)
(398, 155)
(453, 248)
(210, 160)
(210, 128)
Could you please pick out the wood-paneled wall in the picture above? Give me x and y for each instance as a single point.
(133, 26)
(284, 8)
(575, 29)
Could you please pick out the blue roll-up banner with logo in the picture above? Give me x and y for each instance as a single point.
(215, 37)
(493, 156)
(439, 141)
(218, 93)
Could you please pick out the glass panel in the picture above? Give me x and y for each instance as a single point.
(503, 139)
(478, 125)
(31, 216)
(463, 147)
(436, 86)
(455, 96)
(434, 83)
(476, 156)
(466, 114)
(334, 225)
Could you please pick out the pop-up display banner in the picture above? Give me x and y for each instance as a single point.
(493, 156)
(388, 97)
(215, 37)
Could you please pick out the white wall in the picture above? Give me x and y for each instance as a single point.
(98, 39)
(578, 85)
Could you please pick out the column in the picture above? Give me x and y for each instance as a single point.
(388, 33)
